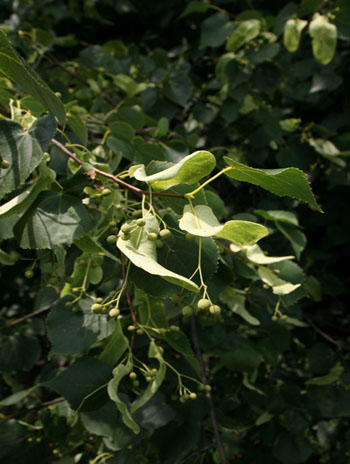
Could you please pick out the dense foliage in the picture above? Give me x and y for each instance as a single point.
(172, 290)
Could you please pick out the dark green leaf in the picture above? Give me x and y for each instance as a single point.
(54, 219)
(12, 65)
(80, 380)
(73, 332)
(284, 182)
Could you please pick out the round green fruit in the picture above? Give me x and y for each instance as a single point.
(152, 236)
(137, 213)
(215, 309)
(126, 228)
(111, 238)
(132, 375)
(4, 164)
(187, 311)
(203, 303)
(164, 233)
(29, 273)
(96, 308)
(140, 222)
(114, 312)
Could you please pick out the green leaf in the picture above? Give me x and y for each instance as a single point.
(179, 88)
(115, 347)
(143, 254)
(27, 197)
(157, 380)
(23, 150)
(118, 373)
(278, 215)
(74, 332)
(283, 182)
(292, 33)
(307, 7)
(291, 449)
(333, 376)
(195, 7)
(18, 352)
(215, 30)
(81, 380)
(53, 219)
(201, 221)
(243, 357)
(257, 256)
(6, 259)
(325, 148)
(16, 397)
(180, 343)
(294, 235)
(122, 130)
(236, 303)
(187, 171)
(324, 38)
(13, 66)
(242, 34)
(279, 286)
(89, 244)
(106, 423)
(78, 127)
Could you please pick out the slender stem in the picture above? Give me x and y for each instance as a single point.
(194, 192)
(115, 179)
(35, 408)
(30, 315)
(204, 377)
(323, 334)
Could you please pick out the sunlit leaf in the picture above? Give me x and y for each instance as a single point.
(324, 38)
(200, 220)
(188, 171)
(290, 182)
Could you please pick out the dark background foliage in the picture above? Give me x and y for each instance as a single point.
(280, 389)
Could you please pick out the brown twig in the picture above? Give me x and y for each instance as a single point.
(35, 408)
(130, 187)
(30, 315)
(323, 334)
(128, 299)
(76, 75)
(204, 377)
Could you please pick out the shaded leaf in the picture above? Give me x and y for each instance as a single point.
(80, 380)
(215, 30)
(236, 303)
(13, 66)
(157, 380)
(74, 332)
(53, 219)
(115, 346)
(23, 150)
(283, 182)
(113, 385)
(243, 33)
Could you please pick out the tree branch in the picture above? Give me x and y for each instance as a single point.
(30, 315)
(204, 377)
(115, 179)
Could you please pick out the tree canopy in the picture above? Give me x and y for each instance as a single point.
(173, 229)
